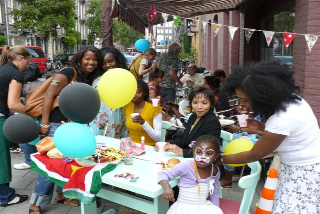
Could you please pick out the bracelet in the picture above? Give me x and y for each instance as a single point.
(44, 126)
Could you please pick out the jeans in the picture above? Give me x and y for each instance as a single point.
(43, 190)
(228, 168)
(28, 150)
(6, 193)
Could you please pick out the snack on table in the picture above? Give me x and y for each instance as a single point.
(170, 163)
(108, 154)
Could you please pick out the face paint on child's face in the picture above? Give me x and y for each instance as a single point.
(202, 154)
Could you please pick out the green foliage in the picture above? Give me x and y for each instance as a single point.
(122, 33)
(94, 22)
(284, 22)
(3, 41)
(188, 52)
(44, 15)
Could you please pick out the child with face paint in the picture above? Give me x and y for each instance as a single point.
(199, 178)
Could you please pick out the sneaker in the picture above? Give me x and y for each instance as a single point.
(21, 166)
(16, 150)
(17, 200)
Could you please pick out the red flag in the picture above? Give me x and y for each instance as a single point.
(288, 37)
(153, 14)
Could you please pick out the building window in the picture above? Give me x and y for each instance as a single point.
(0, 14)
(170, 31)
(166, 30)
(158, 43)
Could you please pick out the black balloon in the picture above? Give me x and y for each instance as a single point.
(20, 128)
(79, 102)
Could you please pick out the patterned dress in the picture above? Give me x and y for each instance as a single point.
(167, 62)
(108, 122)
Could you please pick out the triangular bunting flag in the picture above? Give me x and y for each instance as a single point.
(248, 34)
(216, 28)
(153, 14)
(232, 30)
(269, 36)
(288, 37)
(176, 20)
(165, 17)
(311, 40)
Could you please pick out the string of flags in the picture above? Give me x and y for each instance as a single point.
(288, 36)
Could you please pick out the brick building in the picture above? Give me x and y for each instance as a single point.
(222, 52)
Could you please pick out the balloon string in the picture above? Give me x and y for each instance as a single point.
(105, 129)
(99, 155)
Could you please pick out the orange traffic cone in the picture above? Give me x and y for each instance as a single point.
(267, 195)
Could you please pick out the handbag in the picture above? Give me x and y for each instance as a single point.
(34, 102)
(45, 145)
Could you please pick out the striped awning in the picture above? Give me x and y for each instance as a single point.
(136, 12)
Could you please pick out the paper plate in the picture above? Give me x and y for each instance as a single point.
(226, 122)
(183, 105)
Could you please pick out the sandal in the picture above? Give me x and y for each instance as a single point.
(35, 211)
(69, 202)
(225, 185)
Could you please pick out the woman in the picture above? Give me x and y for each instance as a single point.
(268, 89)
(87, 64)
(11, 79)
(109, 122)
(149, 121)
(202, 122)
(155, 78)
(139, 64)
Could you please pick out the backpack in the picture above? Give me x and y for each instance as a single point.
(31, 72)
(134, 66)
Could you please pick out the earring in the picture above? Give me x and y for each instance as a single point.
(79, 64)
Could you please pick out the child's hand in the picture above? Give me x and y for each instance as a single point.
(167, 191)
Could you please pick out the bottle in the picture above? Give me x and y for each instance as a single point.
(142, 143)
(128, 159)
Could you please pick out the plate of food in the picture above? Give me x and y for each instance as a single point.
(169, 164)
(226, 122)
(102, 155)
(184, 108)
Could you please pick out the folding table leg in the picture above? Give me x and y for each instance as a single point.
(89, 208)
(161, 205)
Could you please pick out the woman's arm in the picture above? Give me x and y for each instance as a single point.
(143, 70)
(58, 83)
(264, 146)
(14, 97)
(155, 132)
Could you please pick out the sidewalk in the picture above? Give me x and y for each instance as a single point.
(24, 181)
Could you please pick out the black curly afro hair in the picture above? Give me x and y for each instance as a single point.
(269, 85)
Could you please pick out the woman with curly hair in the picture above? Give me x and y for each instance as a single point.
(109, 122)
(291, 128)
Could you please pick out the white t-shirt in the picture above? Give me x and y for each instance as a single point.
(299, 124)
(145, 77)
(197, 78)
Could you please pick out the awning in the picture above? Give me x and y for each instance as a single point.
(136, 12)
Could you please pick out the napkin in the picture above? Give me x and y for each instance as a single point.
(136, 150)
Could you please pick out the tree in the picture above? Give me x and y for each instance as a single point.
(3, 41)
(123, 34)
(45, 16)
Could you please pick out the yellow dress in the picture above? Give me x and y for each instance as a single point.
(135, 129)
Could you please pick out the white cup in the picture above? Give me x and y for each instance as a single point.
(155, 102)
(156, 169)
(161, 146)
(243, 120)
(134, 115)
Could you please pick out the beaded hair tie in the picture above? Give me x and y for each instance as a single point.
(196, 172)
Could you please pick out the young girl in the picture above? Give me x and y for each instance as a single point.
(199, 178)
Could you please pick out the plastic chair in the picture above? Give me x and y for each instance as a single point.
(165, 125)
(249, 184)
(226, 138)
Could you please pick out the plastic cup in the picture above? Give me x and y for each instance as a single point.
(161, 146)
(134, 115)
(243, 120)
(156, 169)
(155, 102)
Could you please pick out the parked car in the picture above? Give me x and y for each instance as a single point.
(37, 56)
(284, 60)
(129, 59)
(63, 58)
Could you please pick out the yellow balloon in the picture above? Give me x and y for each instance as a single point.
(117, 87)
(237, 146)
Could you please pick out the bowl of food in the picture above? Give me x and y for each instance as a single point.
(169, 164)
(226, 122)
(102, 156)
